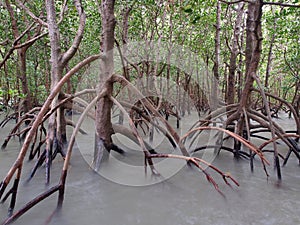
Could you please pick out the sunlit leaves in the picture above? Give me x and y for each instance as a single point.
(188, 9)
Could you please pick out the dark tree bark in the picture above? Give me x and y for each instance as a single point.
(57, 123)
(230, 92)
(104, 130)
(253, 52)
(253, 49)
(56, 74)
(21, 67)
(215, 82)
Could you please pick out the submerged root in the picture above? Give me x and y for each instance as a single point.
(237, 126)
(196, 162)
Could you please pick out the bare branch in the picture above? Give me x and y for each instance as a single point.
(281, 4)
(237, 137)
(264, 3)
(31, 41)
(271, 125)
(289, 105)
(277, 138)
(151, 108)
(234, 2)
(19, 161)
(79, 35)
(23, 33)
(63, 9)
(196, 161)
(136, 134)
(11, 50)
(31, 14)
(6, 57)
(5, 42)
(31, 203)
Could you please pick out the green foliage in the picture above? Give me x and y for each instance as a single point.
(283, 24)
(1, 93)
(189, 23)
(188, 9)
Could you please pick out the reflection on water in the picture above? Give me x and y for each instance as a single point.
(185, 198)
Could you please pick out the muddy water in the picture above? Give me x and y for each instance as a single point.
(180, 197)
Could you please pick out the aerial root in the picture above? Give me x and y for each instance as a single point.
(32, 203)
(39, 119)
(245, 155)
(196, 162)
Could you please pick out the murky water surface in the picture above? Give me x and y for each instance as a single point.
(183, 197)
